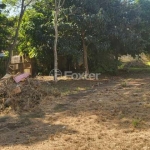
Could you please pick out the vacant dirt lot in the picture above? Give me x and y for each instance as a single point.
(110, 114)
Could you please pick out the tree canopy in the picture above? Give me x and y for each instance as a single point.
(91, 34)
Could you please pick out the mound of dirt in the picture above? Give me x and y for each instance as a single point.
(20, 96)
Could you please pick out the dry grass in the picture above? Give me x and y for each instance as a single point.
(110, 116)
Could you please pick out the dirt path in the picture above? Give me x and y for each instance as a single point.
(114, 115)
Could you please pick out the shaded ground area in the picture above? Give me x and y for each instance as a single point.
(112, 113)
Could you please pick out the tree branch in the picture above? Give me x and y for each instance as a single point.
(28, 3)
(59, 3)
(62, 3)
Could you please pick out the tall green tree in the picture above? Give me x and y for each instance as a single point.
(120, 34)
(4, 29)
(93, 29)
(144, 27)
(87, 19)
(58, 6)
(121, 23)
(37, 35)
(23, 5)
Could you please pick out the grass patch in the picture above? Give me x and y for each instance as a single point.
(124, 84)
(70, 87)
(136, 123)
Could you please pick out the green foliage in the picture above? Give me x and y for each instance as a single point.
(2, 6)
(4, 32)
(124, 84)
(111, 28)
(36, 36)
(136, 123)
(144, 26)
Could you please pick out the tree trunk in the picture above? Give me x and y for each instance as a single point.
(55, 43)
(116, 61)
(58, 6)
(85, 56)
(16, 35)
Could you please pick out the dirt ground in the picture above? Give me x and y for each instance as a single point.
(110, 114)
